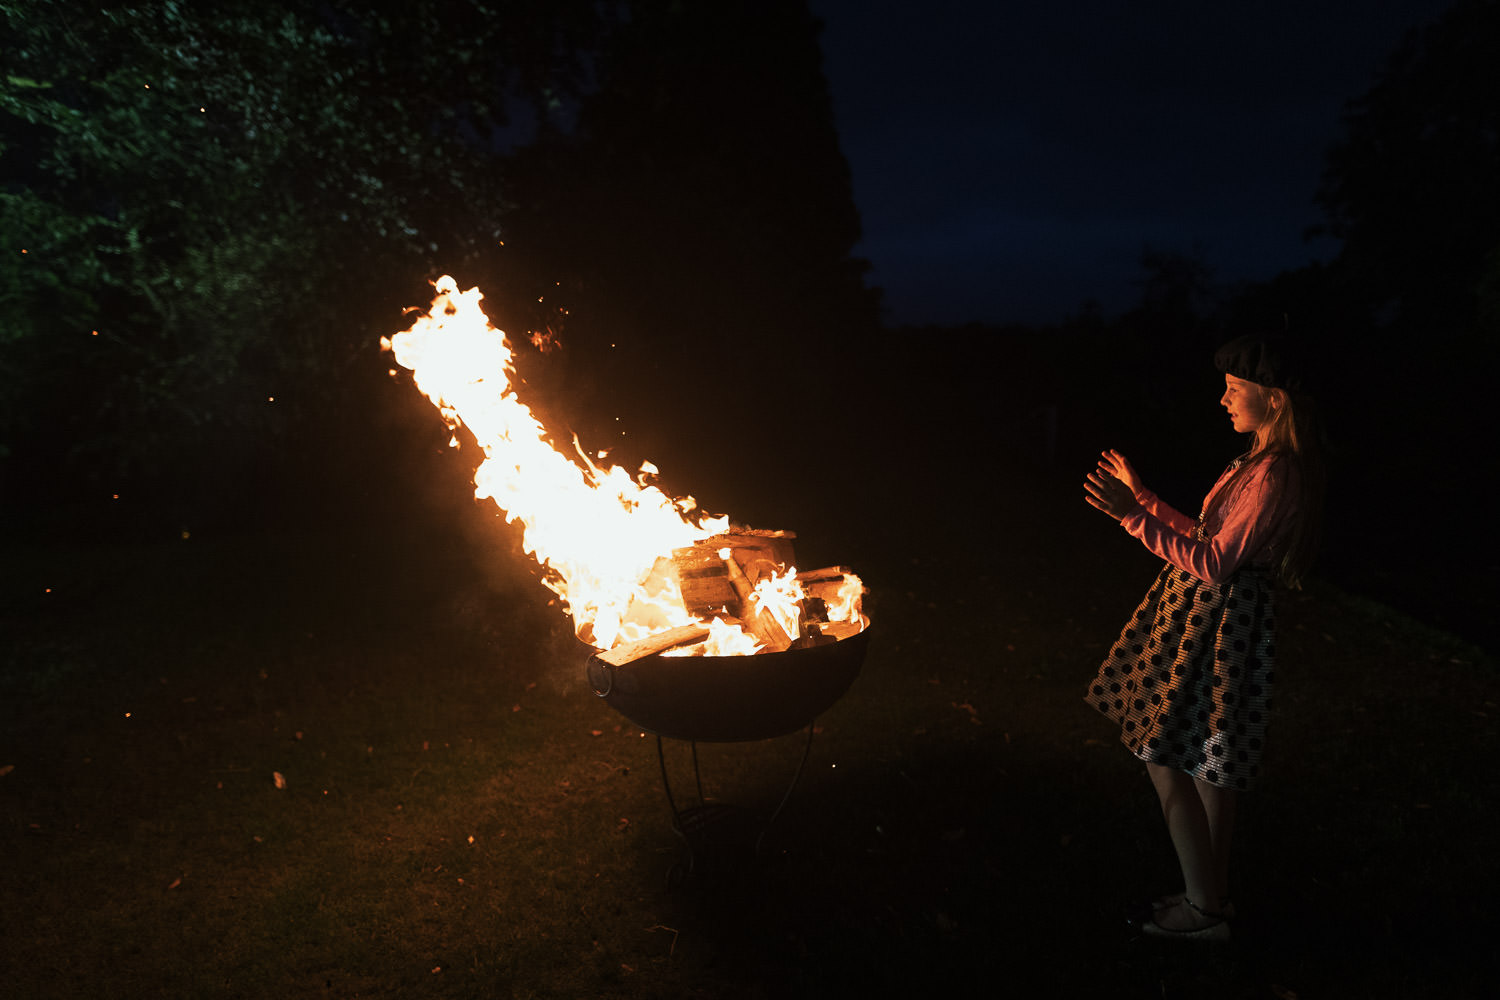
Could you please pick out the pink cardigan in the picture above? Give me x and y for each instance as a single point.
(1250, 529)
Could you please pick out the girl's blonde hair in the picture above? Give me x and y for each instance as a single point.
(1290, 433)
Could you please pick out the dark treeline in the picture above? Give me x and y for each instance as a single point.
(1400, 331)
(209, 220)
(204, 213)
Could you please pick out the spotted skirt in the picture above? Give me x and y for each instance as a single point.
(1189, 680)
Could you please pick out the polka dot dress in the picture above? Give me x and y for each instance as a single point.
(1189, 680)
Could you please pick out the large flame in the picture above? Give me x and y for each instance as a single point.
(597, 531)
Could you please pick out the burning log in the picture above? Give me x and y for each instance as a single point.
(720, 576)
(653, 644)
(829, 592)
(735, 576)
(720, 573)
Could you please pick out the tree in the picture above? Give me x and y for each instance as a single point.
(197, 206)
(204, 211)
(1409, 313)
(1410, 188)
(699, 216)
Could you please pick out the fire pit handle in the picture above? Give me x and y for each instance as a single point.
(601, 677)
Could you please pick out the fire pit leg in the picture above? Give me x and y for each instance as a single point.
(661, 758)
(682, 820)
(687, 823)
(796, 776)
(678, 873)
(697, 775)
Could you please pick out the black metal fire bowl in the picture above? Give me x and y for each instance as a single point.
(730, 699)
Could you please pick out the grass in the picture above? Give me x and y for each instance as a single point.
(461, 817)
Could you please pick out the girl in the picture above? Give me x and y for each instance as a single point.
(1189, 680)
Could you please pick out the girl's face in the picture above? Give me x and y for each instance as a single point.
(1246, 403)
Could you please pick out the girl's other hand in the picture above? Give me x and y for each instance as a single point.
(1109, 494)
(1112, 463)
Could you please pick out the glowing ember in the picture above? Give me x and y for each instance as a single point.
(605, 539)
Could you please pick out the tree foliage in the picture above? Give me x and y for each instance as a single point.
(197, 205)
(1406, 318)
(700, 217)
(1411, 185)
(205, 208)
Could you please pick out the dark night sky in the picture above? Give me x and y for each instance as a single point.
(1012, 160)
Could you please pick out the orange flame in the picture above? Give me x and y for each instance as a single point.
(781, 597)
(597, 531)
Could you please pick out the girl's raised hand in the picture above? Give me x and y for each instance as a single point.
(1112, 463)
(1104, 491)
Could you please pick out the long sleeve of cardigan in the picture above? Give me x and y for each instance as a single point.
(1168, 515)
(1252, 522)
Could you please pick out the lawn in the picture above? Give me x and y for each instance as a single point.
(358, 758)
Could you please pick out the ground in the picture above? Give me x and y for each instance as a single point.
(361, 760)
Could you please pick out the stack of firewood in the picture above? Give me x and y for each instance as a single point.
(717, 577)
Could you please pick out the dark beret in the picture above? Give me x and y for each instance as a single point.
(1263, 359)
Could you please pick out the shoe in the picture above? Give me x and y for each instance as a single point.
(1217, 931)
(1139, 911)
(1226, 907)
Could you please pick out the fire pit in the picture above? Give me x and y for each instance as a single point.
(813, 643)
(723, 699)
(727, 699)
(704, 633)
